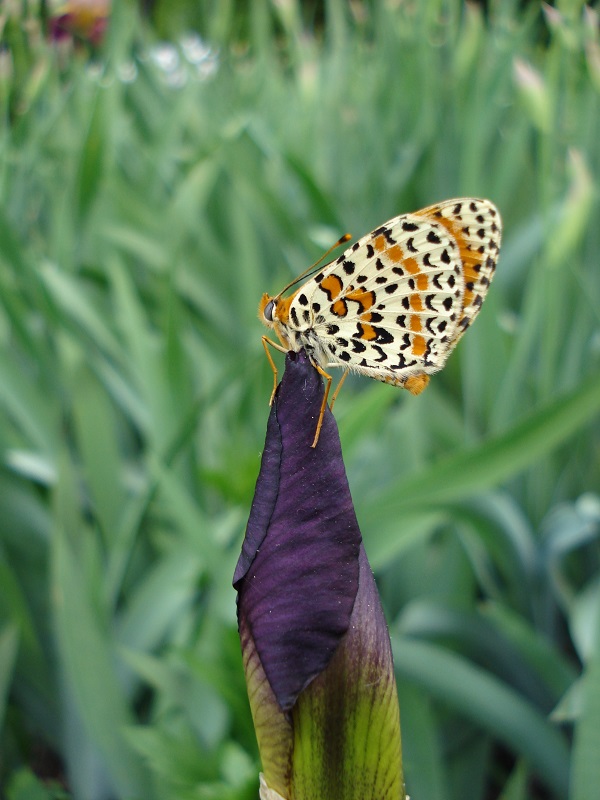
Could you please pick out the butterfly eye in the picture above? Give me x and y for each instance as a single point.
(268, 312)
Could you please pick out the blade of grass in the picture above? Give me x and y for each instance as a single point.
(492, 705)
(425, 773)
(86, 651)
(9, 647)
(585, 775)
(496, 460)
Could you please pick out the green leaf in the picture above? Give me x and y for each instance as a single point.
(26, 407)
(549, 664)
(493, 706)
(9, 647)
(92, 157)
(76, 307)
(24, 785)
(97, 435)
(516, 788)
(421, 748)
(86, 652)
(585, 775)
(479, 468)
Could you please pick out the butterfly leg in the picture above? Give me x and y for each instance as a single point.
(328, 380)
(337, 390)
(266, 341)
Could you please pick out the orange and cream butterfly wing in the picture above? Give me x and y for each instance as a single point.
(394, 305)
(476, 227)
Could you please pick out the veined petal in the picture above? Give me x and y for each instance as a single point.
(297, 575)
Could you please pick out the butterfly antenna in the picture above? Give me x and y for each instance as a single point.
(342, 240)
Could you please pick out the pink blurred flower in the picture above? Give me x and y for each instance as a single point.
(84, 20)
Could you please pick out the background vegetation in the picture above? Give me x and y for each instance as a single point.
(149, 193)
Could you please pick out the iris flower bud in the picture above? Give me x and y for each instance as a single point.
(316, 648)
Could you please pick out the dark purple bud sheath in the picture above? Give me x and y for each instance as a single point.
(315, 644)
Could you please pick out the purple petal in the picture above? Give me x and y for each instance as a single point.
(297, 575)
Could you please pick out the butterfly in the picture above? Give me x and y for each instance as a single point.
(394, 305)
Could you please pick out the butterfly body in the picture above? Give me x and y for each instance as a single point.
(394, 305)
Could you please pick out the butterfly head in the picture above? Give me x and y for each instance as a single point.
(266, 310)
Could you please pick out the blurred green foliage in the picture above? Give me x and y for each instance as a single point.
(149, 194)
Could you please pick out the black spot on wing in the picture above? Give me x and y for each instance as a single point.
(382, 354)
(383, 336)
(401, 362)
(385, 232)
